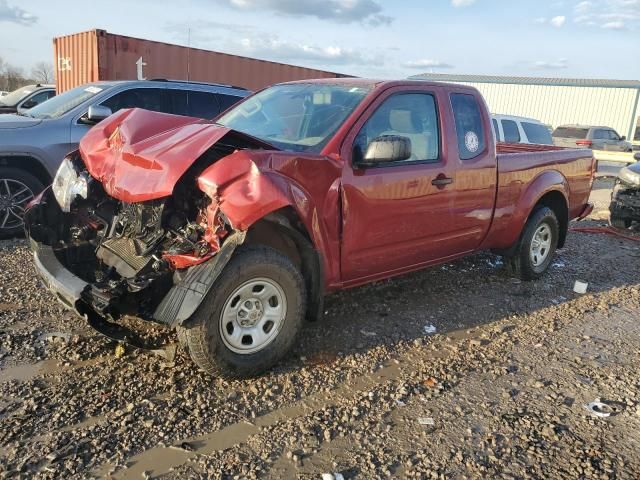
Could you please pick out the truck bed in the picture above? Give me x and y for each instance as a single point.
(520, 167)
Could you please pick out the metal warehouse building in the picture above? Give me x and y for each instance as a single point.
(557, 101)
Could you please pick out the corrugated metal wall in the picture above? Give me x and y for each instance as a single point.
(99, 55)
(557, 105)
(75, 58)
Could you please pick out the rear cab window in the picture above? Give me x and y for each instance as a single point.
(511, 132)
(537, 133)
(570, 132)
(469, 127)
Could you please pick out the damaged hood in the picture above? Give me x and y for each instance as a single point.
(139, 155)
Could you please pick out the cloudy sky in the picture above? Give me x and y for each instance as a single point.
(377, 38)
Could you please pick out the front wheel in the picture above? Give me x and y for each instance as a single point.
(537, 245)
(17, 189)
(250, 318)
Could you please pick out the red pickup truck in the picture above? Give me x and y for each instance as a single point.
(233, 231)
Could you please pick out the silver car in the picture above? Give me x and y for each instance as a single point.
(33, 143)
(595, 138)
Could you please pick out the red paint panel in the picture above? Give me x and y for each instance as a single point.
(244, 194)
(139, 155)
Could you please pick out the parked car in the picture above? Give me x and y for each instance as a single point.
(635, 144)
(625, 199)
(512, 129)
(595, 138)
(25, 98)
(233, 231)
(32, 145)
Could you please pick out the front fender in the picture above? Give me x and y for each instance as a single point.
(246, 193)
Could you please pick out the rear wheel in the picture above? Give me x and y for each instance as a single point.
(251, 316)
(17, 189)
(537, 245)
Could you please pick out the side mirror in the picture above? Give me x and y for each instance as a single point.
(96, 114)
(623, 138)
(387, 148)
(28, 104)
(636, 156)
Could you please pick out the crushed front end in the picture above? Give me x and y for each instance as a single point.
(104, 256)
(625, 199)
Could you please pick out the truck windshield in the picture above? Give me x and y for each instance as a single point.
(296, 117)
(61, 104)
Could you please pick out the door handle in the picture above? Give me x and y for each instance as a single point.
(441, 181)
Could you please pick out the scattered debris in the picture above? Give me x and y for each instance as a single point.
(332, 476)
(368, 334)
(400, 403)
(430, 382)
(119, 351)
(168, 352)
(559, 264)
(426, 421)
(599, 409)
(580, 287)
(184, 446)
(53, 336)
(428, 329)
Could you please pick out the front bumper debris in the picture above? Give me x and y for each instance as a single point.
(73, 270)
(625, 202)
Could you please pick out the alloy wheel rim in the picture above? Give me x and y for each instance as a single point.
(14, 196)
(253, 315)
(540, 245)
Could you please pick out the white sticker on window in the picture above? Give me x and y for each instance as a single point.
(93, 90)
(471, 141)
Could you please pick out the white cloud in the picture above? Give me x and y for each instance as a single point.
(15, 14)
(462, 3)
(617, 25)
(560, 64)
(368, 12)
(558, 21)
(427, 64)
(250, 41)
(608, 14)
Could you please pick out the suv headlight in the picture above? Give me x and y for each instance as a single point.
(68, 184)
(629, 176)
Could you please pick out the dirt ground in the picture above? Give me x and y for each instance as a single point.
(460, 371)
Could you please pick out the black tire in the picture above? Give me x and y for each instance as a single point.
(10, 225)
(620, 223)
(521, 263)
(201, 333)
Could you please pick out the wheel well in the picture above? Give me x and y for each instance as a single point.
(556, 202)
(284, 231)
(30, 165)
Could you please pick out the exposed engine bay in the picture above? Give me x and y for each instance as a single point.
(130, 253)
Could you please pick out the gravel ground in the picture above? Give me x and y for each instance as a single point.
(499, 389)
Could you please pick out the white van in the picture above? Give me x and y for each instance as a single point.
(512, 129)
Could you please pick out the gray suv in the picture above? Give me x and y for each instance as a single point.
(595, 138)
(33, 143)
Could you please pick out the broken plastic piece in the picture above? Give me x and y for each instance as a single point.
(51, 336)
(332, 476)
(599, 409)
(426, 421)
(368, 334)
(580, 287)
(428, 329)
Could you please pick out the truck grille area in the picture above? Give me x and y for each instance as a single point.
(136, 233)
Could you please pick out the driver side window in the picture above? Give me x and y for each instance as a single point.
(409, 115)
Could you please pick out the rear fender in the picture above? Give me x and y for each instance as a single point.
(545, 182)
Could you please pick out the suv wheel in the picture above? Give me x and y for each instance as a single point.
(17, 188)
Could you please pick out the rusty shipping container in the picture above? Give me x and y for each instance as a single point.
(99, 55)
